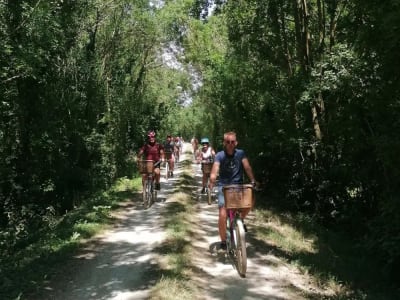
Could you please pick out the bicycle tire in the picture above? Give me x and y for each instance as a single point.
(166, 170)
(229, 236)
(240, 247)
(145, 195)
(208, 190)
(153, 194)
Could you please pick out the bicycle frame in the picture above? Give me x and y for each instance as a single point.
(149, 191)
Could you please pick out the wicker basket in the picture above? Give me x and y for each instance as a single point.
(206, 167)
(168, 155)
(239, 196)
(146, 166)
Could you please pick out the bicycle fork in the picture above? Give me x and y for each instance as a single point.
(230, 232)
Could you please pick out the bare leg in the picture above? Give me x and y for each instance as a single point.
(222, 223)
(157, 175)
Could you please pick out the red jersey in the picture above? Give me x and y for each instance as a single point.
(152, 152)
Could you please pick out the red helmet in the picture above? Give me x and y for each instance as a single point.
(151, 134)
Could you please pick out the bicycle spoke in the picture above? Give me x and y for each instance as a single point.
(240, 245)
(145, 195)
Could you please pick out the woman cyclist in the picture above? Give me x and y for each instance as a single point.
(152, 151)
(206, 154)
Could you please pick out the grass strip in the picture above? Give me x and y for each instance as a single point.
(176, 270)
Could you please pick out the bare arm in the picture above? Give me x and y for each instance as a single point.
(213, 174)
(139, 155)
(248, 169)
(162, 154)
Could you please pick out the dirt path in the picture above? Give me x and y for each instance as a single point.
(121, 263)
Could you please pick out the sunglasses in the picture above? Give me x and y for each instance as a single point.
(230, 142)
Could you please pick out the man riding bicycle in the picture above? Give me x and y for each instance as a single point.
(152, 151)
(230, 164)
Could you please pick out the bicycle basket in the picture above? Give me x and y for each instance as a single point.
(239, 196)
(206, 167)
(146, 166)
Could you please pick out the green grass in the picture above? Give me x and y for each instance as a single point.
(330, 258)
(174, 282)
(25, 268)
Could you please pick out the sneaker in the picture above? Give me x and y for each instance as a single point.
(157, 186)
(223, 245)
(203, 190)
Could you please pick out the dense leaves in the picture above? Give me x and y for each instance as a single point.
(311, 88)
(78, 92)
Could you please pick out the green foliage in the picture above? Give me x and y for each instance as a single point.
(312, 94)
(29, 263)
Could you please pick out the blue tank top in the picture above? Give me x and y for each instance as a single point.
(230, 167)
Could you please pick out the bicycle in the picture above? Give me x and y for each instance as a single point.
(206, 166)
(168, 155)
(237, 197)
(149, 191)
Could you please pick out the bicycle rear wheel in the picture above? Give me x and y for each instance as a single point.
(240, 247)
(144, 195)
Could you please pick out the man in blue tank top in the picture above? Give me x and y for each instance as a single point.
(230, 164)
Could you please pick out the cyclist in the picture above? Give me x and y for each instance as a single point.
(178, 146)
(169, 146)
(207, 154)
(152, 151)
(195, 142)
(230, 164)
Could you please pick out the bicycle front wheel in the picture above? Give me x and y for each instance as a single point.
(153, 194)
(144, 194)
(166, 170)
(147, 194)
(240, 247)
(208, 189)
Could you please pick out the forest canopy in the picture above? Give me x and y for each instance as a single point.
(310, 87)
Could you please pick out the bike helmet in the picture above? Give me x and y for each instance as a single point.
(204, 141)
(151, 134)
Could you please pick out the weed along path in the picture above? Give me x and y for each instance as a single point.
(170, 251)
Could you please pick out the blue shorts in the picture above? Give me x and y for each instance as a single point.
(220, 195)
